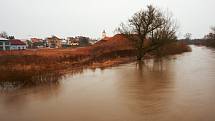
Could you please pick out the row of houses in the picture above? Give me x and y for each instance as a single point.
(56, 42)
(13, 44)
(49, 42)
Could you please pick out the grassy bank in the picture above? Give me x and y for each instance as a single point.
(32, 67)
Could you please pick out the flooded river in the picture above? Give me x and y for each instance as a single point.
(178, 88)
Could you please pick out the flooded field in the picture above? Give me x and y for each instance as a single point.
(177, 88)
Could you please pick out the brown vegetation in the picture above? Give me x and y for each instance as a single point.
(173, 48)
(29, 66)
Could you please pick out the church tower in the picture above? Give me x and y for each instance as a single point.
(103, 34)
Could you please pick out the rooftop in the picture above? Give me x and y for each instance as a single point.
(16, 42)
(3, 39)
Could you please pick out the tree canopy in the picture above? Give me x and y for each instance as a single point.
(152, 25)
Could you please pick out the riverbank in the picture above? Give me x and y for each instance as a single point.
(38, 66)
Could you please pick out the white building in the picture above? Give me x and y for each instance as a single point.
(16, 44)
(4, 44)
(104, 34)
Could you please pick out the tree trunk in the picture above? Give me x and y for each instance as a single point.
(140, 53)
(139, 58)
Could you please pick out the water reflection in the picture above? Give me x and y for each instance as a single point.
(146, 87)
(178, 89)
(153, 64)
(18, 80)
(18, 88)
(21, 98)
(19, 91)
(12, 80)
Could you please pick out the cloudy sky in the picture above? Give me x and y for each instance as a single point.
(42, 18)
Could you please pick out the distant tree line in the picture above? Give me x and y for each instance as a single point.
(207, 40)
(4, 34)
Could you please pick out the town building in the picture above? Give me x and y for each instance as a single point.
(72, 42)
(16, 44)
(78, 41)
(38, 43)
(93, 41)
(4, 44)
(64, 43)
(83, 41)
(54, 42)
(36, 40)
(104, 36)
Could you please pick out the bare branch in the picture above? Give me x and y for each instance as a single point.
(152, 24)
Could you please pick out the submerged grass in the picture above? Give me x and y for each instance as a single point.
(35, 67)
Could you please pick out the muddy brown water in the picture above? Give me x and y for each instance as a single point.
(178, 88)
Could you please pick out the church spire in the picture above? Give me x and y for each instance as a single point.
(103, 34)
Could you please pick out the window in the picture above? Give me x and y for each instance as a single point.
(7, 48)
(1, 43)
(6, 43)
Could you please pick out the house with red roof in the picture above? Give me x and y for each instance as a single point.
(16, 44)
(36, 40)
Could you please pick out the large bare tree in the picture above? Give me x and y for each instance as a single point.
(149, 29)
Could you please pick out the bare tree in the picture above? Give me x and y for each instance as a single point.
(4, 34)
(213, 29)
(187, 36)
(149, 29)
(211, 35)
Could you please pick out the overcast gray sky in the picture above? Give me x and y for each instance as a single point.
(42, 18)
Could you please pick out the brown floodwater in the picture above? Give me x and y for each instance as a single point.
(177, 88)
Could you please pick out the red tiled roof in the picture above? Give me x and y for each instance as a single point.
(1, 38)
(16, 42)
(35, 40)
